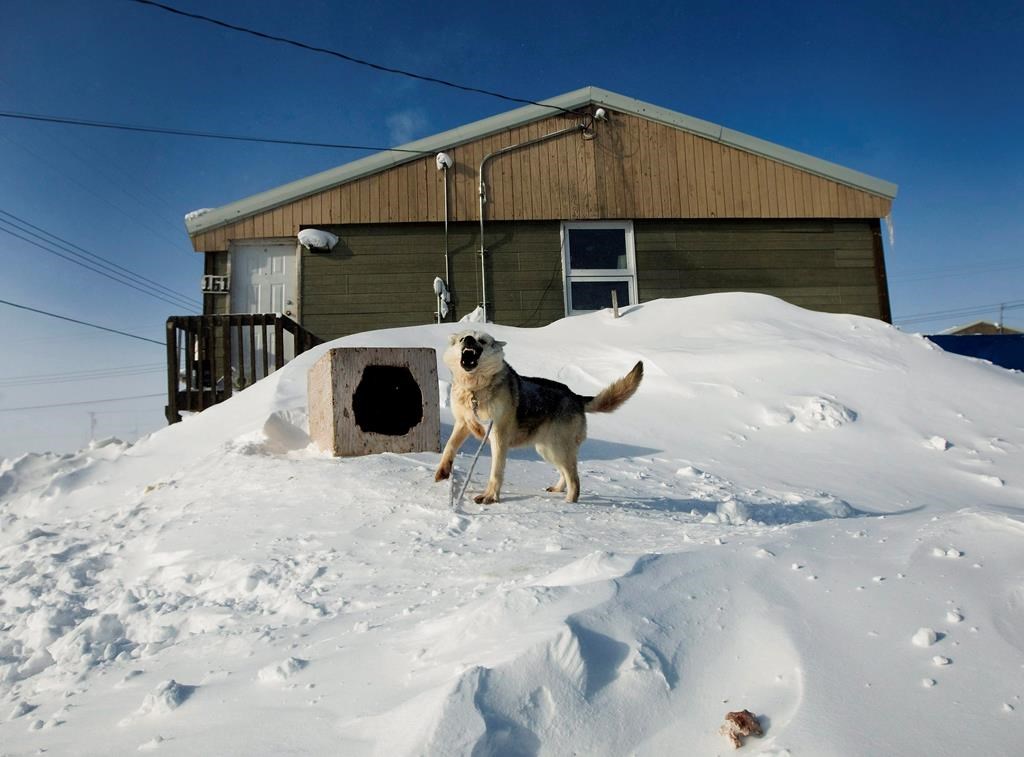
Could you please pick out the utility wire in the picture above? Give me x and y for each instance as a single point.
(104, 165)
(60, 168)
(349, 58)
(190, 133)
(70, 247)
(83, 373)
(82, 402)
(961, 271)
(83, 323)
(936, 315)
(78, 262)
(72, 379)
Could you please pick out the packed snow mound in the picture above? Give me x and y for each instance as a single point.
(797, 514)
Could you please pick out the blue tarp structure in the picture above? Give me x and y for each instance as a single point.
(1006, 350)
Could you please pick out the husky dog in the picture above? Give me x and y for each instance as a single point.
(525, 410)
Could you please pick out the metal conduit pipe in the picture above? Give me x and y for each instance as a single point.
(444, 162)
(483, 197)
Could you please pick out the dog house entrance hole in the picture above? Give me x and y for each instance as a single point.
(387, 401)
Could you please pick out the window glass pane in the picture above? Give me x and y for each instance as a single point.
(594, 295)
(597, 248)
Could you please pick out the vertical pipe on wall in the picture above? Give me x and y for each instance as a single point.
(482, 187)
(444, 162)
(447, 268)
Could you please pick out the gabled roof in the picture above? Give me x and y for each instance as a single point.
(200, 222)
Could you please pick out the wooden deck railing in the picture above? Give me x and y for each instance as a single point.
(209, 357)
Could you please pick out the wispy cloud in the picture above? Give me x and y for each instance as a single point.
(406, 125)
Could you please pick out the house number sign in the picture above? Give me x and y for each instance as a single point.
(215, 285)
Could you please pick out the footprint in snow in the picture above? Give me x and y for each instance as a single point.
(990, 480)
(925, 637)
(282, 671)
(165, 698)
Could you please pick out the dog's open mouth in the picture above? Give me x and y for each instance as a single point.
(470, 358)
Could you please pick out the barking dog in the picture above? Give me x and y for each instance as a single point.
(525, 410)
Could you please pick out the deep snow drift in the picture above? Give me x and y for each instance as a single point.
(813, 517)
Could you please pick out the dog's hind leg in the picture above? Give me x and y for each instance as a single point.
(564, 459)
(558, 486)
(572, 477)
(548, 454)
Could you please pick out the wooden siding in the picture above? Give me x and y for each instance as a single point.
(633, 169)
(381, 276)
(821, 265)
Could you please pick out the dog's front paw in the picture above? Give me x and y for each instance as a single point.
(442, 472)
(485, 499)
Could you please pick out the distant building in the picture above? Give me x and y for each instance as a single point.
(980, 327)
(994, 342)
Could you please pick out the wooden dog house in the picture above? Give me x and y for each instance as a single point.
(367, 400)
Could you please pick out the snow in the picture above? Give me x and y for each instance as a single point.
(315, 239)
(474, 316)
(925, 637)
(765, 526)
(194, 215)
(443, 295)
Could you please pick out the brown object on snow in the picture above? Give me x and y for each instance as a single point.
(739, 724)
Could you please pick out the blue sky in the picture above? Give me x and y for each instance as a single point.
(926, 95)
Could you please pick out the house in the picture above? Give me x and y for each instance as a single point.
(999, 344)
(979, 328)
(546, 211)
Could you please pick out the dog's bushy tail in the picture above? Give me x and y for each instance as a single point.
(612, 397)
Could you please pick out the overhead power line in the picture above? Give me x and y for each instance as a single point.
(86, 373)
(90, 268)
(80, 402)
(72, 378)
(349, 58)
(937, 315)
(958, 271)
(191, 133)
(102, 165)
(106, 262)
(95, 263)
(83, 323)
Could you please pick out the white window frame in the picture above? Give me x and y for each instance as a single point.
(597, 274)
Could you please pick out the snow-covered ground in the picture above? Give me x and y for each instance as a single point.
(814, 517)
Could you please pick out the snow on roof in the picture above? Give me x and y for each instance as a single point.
(194, 215)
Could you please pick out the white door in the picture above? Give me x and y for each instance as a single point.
(263, 280)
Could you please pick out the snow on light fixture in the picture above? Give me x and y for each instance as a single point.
(444, 298)
(316, 240)
(444, 161)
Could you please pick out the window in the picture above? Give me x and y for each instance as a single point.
(598, 259)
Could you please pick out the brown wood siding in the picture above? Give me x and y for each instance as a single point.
(633, 169)
(831, 266)
(382, 276)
